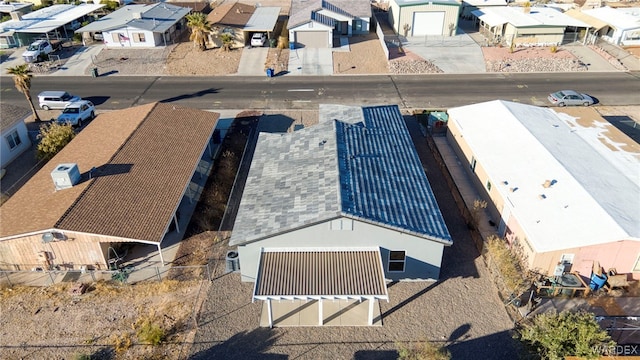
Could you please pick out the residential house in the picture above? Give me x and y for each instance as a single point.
(624, 24)
(529, 26)
(563, 185)
(140, 25)
(332, 211)
(597, 28)
(122, 179)
(13, 131)
(241, 21)
(14, 8)
(424, 17)
(52, 23)
(319, 23)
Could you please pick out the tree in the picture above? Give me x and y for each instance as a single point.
(422, 351)
(227, 41)
(22, 80)
(200, 29)
(554, 336)
(53, 137)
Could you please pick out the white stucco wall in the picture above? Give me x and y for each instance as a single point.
(7, 154)
(131, 38)
(423, 257)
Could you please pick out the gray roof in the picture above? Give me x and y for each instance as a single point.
(362, 166)
(263, 19)
(158, 17)
(10, 114)
(303, 11)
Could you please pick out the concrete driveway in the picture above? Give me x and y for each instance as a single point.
(252, 61)
(458, 54)
(311, 61)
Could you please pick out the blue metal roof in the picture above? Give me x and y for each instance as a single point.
(381, 176)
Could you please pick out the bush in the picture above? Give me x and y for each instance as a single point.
(554, 336)
(422, 351)
(53, 138)
(150, 333)
(511, 264)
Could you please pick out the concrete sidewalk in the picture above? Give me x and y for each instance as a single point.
(79, 62)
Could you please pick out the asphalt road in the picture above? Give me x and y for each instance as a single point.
(409, 91)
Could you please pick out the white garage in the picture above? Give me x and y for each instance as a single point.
(428, 23)
(312, 39)
(424, 17)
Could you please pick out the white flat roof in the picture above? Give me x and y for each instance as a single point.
(622, 18)
(263, 19)
(538, 16)
(481, 3)
(49, 18)
(594, 197)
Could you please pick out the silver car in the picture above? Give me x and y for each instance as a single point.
(77, 112)
(570, 97)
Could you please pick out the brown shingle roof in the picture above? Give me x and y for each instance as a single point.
(10, 114)
(144, 158)
(233, 15)
(330, 273)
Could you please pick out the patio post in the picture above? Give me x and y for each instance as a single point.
(320, 319)
(160, 252)
(370, 322)
(269, 313)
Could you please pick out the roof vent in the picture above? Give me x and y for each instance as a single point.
(65, 176)
(549, 183)
(136, 15)
(542, 196)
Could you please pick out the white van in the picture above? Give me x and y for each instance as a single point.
(55, 99)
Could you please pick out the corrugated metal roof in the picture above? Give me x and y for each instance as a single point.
(158, 17)
(263, 19)
(360, 164)
(324, 273)
(49, 18)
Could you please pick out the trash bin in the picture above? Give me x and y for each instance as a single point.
(292, 45)
(94, 72)
(269, 72)
(272, 43)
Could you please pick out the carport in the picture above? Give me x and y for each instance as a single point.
(316, 287)
(264, 19)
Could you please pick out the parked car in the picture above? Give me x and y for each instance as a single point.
(77, 112)
(570, 97)
(55, 99)
(258, 39)
(40, 50)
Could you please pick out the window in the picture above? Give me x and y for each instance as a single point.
(357, 25)
(396, 261)
(637, 267)
(472, 165)
(13, 139)
(488, 185)
(138, 37)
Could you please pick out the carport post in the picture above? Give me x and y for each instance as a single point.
(320, 319)
(370, 322)
(269, 313)
(161, 257)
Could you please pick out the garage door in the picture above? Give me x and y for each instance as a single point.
(313, 39)
(428, 23)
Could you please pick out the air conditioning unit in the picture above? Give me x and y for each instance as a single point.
(65, 176)
(232, 262)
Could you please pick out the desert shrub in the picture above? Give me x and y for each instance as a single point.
(423, 350)
(121, 343)
(150, 333)
(53, 137)
(511, 264)
(478, 207)
(554, 336)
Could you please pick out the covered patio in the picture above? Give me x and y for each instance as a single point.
(316, 287)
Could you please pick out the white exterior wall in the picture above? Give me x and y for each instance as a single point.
(150, 39)
(6, 153)
(423, 257)
(399, 16)
(311, 26)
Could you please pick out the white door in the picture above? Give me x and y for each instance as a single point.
(428, 23)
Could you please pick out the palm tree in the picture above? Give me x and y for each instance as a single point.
(200, 29)
(227, 42)
(22, 80)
